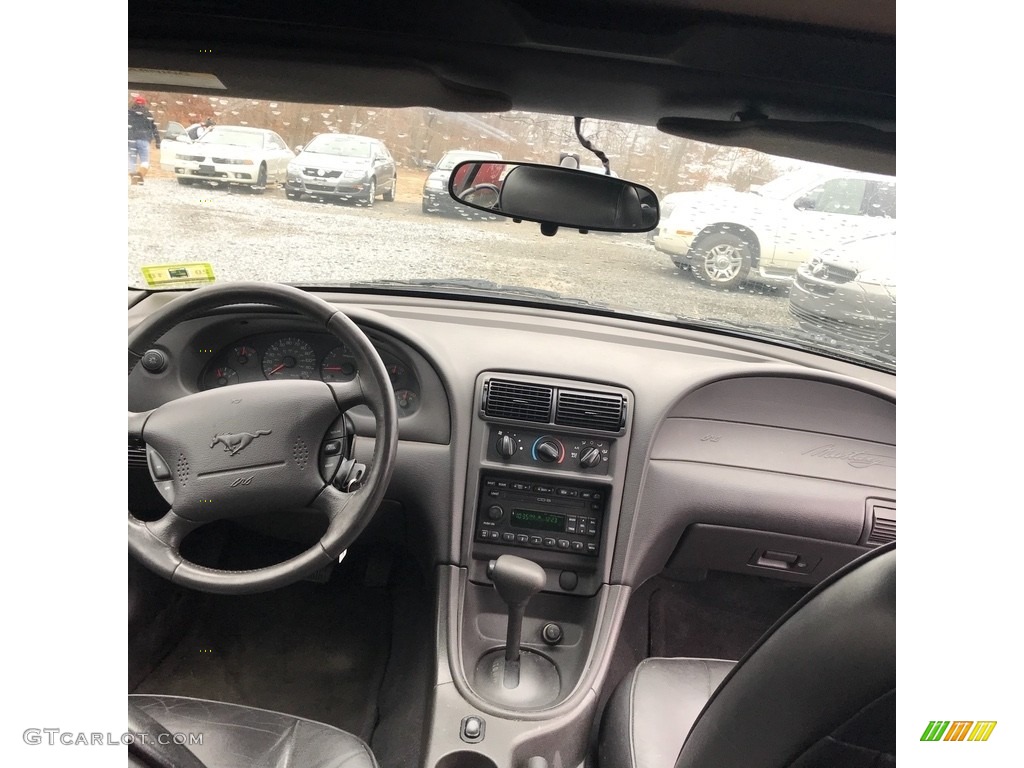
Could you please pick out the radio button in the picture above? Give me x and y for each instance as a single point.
(536, 540)
(564, 492)
(591, 548)
(570, 528)
(577, 546)
(522, 538)
(520, 486)
(598, 496)
(494, 494)
(563, 543)
(549, 543)
(596, 506)
(508, 536)
(544, 489)
(495, 512)
(586, 494)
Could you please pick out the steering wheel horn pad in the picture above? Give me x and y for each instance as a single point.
(244, 449)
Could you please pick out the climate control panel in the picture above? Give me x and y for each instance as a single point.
(533, 448)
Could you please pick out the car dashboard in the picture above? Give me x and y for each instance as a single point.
(605, 449)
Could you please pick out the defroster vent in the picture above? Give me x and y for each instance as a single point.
(515, 400)
(590, 410)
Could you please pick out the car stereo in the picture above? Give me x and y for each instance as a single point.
(541, 514)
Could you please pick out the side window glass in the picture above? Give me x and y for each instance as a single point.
(836, 196)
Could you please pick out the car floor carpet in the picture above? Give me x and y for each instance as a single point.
(720, 617)
(314, 650)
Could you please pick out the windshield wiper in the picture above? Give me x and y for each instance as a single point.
(480, 288)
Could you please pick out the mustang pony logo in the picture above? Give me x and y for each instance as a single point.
(233, 443)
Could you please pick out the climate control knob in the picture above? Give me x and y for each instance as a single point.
(591, 457)
(506, 447)
(549, 450)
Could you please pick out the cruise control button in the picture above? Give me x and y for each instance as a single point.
(332, 447)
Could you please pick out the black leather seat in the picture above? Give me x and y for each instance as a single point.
(817, 690)
(235, 736)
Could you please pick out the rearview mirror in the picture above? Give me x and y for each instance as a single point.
(555, 196)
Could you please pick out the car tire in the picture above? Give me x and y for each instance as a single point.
(261, 180)
(722, 260)
(371, 193)
(389, 196)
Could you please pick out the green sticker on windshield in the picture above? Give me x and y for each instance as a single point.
(178, 275)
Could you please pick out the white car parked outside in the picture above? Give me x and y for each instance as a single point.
(728, 237)
(229, 154)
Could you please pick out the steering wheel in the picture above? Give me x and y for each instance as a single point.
(485, 195)
(255, 448)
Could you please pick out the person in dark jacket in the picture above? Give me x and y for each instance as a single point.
(141, 131)
(196, 130)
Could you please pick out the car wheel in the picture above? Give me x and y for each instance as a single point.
(389, 196)
(261, 181)
(722, 260)
(371, 193)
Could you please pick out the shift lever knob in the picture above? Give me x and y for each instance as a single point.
(516, 580)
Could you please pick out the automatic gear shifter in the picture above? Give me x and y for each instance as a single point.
(516, 580)
(522, 678)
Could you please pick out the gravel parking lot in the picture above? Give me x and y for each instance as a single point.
(268, 237)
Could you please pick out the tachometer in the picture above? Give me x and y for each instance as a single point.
(289, 358)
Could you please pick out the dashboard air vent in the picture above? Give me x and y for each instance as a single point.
(883, 524)
(590, 410)
(515, 400)
(136, 452)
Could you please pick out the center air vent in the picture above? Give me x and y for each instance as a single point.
(514, 400)
(883, 523)
(590, 410)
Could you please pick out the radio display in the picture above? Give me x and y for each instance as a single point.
(540, 521)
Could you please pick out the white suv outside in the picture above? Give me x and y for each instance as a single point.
(727, 237)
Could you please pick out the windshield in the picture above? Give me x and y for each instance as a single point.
(342, 146)
(232, 136)
(451, 159)
(738, 257)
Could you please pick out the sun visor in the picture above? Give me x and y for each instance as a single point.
(847, 145)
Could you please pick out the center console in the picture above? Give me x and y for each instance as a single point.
(530, 616)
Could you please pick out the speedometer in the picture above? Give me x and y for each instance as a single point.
(289, 358)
